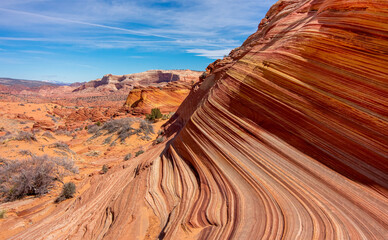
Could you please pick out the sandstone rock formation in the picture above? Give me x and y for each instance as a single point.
(284, 139)
(166, 98)
(112, 83)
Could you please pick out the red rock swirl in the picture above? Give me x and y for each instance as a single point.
(284, 139)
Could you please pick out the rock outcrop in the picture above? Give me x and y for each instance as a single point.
(167, 98)
(112, 83)
(284, 139)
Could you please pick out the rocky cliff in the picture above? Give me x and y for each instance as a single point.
(167, 98)
(112, 83)
(284, 139)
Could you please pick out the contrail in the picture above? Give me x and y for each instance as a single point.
(134, 32)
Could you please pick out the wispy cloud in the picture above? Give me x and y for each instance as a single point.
(212, 54)
(184, 23)
(100, 36)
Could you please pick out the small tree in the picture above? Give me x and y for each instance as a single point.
(155, 114)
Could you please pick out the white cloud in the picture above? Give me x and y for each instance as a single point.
(197, 24)
(212, 54)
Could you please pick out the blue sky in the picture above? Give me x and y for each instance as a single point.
(81, 40)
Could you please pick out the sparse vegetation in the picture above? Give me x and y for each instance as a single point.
(48, 135)
(160, 139)
(2, 213)
(33, 176)
(25, 152)
(155, 114)
(127, 157)
(68, 191)
(93, 153)
(139, 153)
(63, 132)
(98, 123)
(21, 136)
(25, 136)
(123, 129)
(104, 169)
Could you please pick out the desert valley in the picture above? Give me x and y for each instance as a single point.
(285, 137)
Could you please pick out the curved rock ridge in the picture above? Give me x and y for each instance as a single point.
(167, 98)
(284, 139)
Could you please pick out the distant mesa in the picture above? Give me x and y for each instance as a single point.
(157, 78)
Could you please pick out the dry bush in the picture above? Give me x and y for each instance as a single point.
(33, 176)
(63, 132)
(68, 191)
(127, 157)
(93, 129)
(25, 152)
(48, 135)
(25, 136)
(2, 214)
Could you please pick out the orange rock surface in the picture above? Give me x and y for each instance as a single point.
(166, 98)
(284, 139)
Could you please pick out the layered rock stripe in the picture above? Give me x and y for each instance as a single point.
(285, 139)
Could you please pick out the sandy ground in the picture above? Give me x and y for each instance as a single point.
(88, 155)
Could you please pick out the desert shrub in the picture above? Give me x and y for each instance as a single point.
(127, 157)
(25, 152)
(48, 135)
(64, 132)
(33, 176)
(2, 213)
(160, 139)
(104, 169)
(93, 153)
(155, 114)
(25, 136)
(67, 165)
(146, 128)
(114, 143)
(61, 145)
(107, 140)
(68, 191)
(98, 123)
(138, 153)
(92, 129)
(145, 138)
(6, 137)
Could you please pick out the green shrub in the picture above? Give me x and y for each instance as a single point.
(68, 191)
(127, 157)
(98, 123)
(2, 213)
(159, 139)
(139, 152)
(155, 114)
